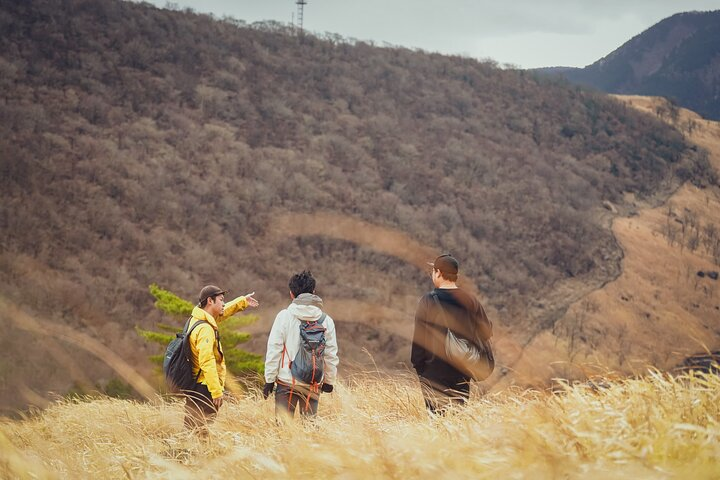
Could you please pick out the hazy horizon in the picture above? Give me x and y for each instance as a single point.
(525, 34)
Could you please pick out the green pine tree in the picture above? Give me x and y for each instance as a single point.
(240, 363)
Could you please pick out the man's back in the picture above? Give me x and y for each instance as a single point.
(284, 339)
(457, 310)
(301, 335)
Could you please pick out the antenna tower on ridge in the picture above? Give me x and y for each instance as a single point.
(300, 5)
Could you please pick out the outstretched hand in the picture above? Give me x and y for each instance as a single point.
(251, 301)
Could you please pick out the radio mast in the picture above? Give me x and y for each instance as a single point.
(300, 5)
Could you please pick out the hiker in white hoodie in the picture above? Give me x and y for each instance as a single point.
(284, 343)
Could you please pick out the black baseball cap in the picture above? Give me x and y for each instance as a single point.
(210, 291)
(446, 263)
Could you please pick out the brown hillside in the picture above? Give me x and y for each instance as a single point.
(659, 310)
(140, 145)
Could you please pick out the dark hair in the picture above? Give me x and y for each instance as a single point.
(302, 282)
(450, 277)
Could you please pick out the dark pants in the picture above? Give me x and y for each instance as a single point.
(439, 397)
(289, 397)
(199, 407)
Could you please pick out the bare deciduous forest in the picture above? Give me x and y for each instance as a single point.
(140, 146)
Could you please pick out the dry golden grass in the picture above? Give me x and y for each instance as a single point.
(375, 426)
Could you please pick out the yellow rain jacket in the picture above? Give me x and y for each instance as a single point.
(207, 353)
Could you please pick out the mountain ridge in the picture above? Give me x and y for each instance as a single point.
(678, 58)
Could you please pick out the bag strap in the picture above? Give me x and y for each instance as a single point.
(217, 333)
(186, 339)
(187, 324)
(476, 338)
(442, 310)
(187, 333)
(217, 340)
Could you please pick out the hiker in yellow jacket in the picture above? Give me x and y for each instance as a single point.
(203, 402)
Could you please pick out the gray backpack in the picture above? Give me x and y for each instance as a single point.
(308, 366)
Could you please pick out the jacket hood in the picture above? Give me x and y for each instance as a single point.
(306, 307)
(201, 314)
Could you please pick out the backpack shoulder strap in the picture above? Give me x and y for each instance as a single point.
(187, 324)
(440, 307)
(321, 319)
(187, 341)
(188, 332)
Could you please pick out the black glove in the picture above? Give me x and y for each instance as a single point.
(327, 388)
(268, 389)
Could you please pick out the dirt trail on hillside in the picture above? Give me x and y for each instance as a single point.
(658, 311)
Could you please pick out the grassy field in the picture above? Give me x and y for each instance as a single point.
(375, 426)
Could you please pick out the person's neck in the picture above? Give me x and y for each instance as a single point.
(210, 314)
(446, 284)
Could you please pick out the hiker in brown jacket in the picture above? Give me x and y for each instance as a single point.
(447, 306)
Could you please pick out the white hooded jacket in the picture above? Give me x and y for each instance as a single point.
(285, 332)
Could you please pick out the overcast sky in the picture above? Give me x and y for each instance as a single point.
(525, 33)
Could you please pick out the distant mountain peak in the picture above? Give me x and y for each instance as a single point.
(678, 57)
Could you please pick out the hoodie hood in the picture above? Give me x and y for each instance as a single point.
(306, 307)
